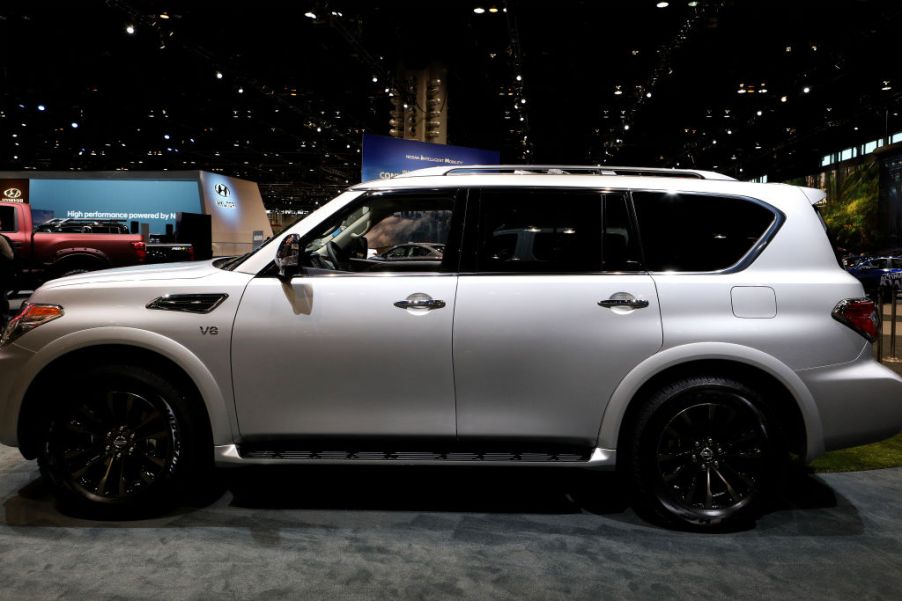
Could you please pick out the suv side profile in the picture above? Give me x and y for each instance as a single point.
(684, 328)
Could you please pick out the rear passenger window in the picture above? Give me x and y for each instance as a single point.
(696, 232)
(539, 231)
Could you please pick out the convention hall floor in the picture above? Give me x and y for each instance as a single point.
(400, 533)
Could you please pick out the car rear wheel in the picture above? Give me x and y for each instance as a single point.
(126, 442)
(704, 454)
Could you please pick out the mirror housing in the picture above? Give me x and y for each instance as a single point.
(288, 257)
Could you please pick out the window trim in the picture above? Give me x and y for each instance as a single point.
(747, 259)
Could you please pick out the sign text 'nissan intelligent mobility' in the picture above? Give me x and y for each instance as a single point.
(385, 157)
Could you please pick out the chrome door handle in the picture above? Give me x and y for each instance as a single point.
(632, 303)
(420, 303)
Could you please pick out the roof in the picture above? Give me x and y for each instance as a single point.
(563, 170)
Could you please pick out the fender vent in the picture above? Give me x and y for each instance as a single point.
(189, 303)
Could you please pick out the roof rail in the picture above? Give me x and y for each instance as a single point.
(566, 170)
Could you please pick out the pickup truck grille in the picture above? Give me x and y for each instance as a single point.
(189, 303)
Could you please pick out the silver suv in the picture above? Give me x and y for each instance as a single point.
(690, 330)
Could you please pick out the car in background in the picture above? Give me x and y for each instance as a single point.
(870, 270)
(412, 251)
(84, 226)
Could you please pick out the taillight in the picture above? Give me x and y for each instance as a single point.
(191, 253)
(140, 250)
(860, 314)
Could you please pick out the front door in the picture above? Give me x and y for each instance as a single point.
(547, 324)
(359, 345)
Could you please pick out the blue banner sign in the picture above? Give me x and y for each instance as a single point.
(385, 157)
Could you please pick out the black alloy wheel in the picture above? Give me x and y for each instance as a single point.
(706, 454)
(127, 442)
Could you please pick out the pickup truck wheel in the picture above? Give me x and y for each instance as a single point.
(73, 272)
(126, 443)
(703, 454)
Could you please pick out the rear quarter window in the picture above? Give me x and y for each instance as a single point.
(698, 232)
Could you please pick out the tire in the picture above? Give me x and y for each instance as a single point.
(704, 454)
(74, 272)
(126, 444)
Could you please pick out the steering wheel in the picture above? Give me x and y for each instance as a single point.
(332, 251)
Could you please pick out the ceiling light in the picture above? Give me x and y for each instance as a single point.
(759, 113)
(241, 90)
(693, 3)
(41, 107)
(662, 4)
(519, 78)
(478, 10)
(522, 101)
(74, 125)
(310, 15)
(164, 16)
(729, 132)
(886, 86)
(806, 89)
(219, 75)
(493, 9)
(375, 79)
(130, 29)
(783, 98)
(648, 94)
(617, 91)
(626, 128)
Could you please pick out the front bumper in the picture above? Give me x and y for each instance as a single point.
(14, 379)
(858, 402)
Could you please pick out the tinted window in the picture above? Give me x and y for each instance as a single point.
(354, 240)
(547, 231)
(694, 232)
(7, 219)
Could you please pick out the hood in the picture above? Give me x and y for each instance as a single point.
(163, 271)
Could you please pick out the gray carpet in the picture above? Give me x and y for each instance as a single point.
(447, 534)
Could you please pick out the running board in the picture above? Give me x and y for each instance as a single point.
(233, 455)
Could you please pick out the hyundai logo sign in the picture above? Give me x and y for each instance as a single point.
(12, 194)
(223, 192)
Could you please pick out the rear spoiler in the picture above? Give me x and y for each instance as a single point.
(814, 195)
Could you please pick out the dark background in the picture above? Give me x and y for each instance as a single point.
(296, 93)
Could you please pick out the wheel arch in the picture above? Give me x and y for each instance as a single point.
(174, 360)
(791, 399)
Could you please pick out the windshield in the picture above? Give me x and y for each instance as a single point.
(230, 263)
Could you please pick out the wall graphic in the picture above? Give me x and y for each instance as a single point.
(148, 201)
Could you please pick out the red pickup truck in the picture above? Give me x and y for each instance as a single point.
(45, 255)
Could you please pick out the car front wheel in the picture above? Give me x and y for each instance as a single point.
(126, 441)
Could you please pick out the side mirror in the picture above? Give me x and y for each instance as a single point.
(288, 256)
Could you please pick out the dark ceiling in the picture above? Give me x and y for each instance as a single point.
(296, 92)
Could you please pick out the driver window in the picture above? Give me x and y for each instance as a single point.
(400, 232)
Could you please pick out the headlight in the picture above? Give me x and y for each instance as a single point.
(30, 317)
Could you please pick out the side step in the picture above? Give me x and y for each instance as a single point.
(246, 455)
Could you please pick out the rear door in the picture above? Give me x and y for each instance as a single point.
(553, 310)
